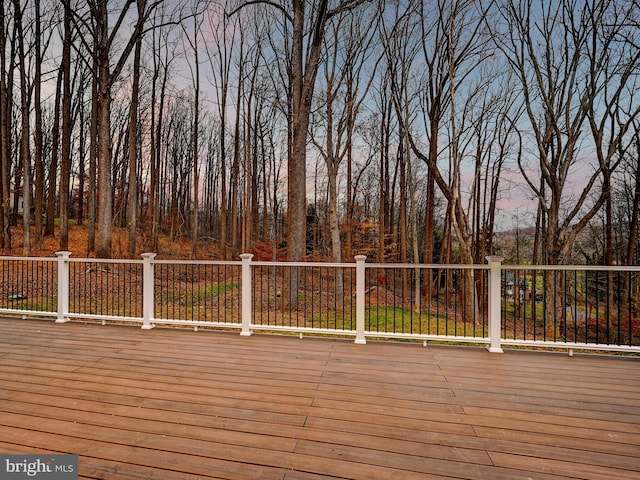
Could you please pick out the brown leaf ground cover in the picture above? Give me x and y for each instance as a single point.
(78, 241)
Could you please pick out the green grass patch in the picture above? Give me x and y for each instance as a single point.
(71, 221)
(36, 304)
(404, 320)
(331, 321)
(196, 296)
(527, 309)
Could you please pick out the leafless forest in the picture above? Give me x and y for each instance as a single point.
(409, 130)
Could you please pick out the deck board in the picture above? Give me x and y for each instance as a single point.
(176, 404)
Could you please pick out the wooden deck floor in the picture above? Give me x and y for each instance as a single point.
(170, 404)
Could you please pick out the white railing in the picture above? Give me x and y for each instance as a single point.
(572, 307)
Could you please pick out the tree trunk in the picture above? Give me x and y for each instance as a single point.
(157, 125)
(132, 198)
(82, 117)
(67, 126)
(255, 194)
(235, 169)
(93, 164)
(351, 120)
(25, 155)
(247, 202)
(402, 207)
(105, 200)
(49, 229)
(106, 75)
(5, 136)
(195, 225)
(297, 162)
(38, 135)
(384, 208)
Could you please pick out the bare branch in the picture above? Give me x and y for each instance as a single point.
(345, 6)
(254, 2)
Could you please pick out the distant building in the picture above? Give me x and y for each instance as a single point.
(13, 193)
(513, 286)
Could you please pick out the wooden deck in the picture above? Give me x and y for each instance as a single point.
(167, 404)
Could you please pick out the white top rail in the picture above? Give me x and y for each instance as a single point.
(594, 268)
(197, 262)
(266, 263)
(104, 260)
(432, 266)
(503, 266)
(29, 259)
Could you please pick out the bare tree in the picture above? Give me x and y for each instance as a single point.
(563, 54)
(577, 73)
(93, 161)
(132, 197)
(38, 134)
(333, 126)
(614, 60)
(67, 127)
(220, 60)
(107, 70)
(378, 136)
(435, 100)
(25, 153)
(6, 99)
(304, 68)
(255, 102)
(453, 46)
(49, 229)
(195, 125)
(163, 55)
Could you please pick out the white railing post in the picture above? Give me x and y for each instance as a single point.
(360, 284)
(63, 286)
(148, 291)
(495, 289)
(246, 294)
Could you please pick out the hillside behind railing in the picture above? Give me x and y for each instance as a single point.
(572, 307)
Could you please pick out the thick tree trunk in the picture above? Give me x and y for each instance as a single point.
(297, 162)
(105, 201)
(132, 198)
